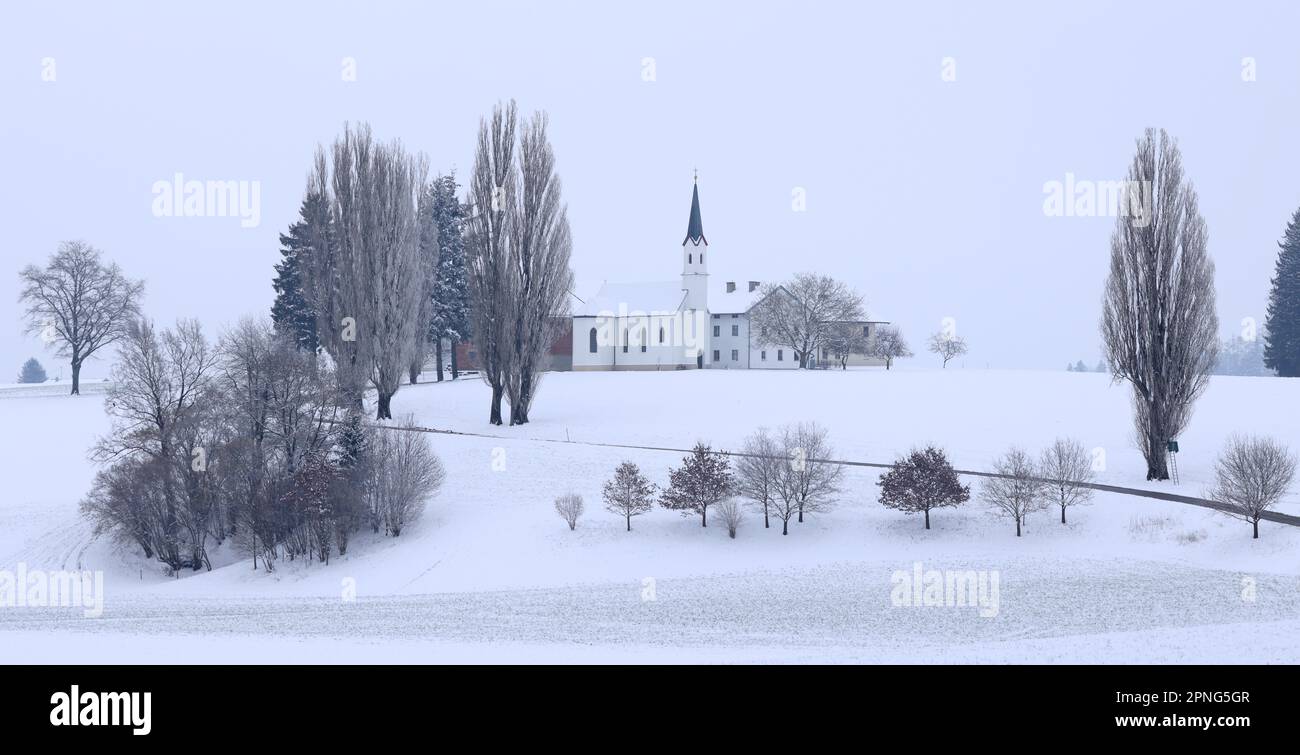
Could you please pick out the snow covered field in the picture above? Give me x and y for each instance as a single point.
(492, 574)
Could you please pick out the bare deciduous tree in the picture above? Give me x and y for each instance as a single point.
(759, 467)
(844, 339)
(79, 303)
(539, 248)
(368, 287)
(801, 313)
(1066, 469)
(1159, 321)
(161, 389)
(887, 343)
(732, 514)
(1251, 476)
(402, 472)
(494, 204)
(947, 346)
(569, 507)
(1016, 490)
(629, 493)
(808, 478)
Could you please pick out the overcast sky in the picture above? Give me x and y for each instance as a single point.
(925, 194)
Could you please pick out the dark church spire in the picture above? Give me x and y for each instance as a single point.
(695, 229)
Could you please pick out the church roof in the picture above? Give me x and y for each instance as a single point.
(634, 298)
(695, 228)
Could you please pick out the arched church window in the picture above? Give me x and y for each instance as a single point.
(690, 258)
(591, 340)
(661, 334)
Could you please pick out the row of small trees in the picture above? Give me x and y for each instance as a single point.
(250, 440)
(791, 473)
(785, 475)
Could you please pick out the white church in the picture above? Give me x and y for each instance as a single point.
(678, 324)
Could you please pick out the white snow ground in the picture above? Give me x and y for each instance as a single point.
(492, 574)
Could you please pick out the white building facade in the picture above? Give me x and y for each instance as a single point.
(676, 325)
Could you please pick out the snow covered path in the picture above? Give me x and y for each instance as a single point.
(1049, 609)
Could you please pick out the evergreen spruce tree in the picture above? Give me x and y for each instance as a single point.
(291, 312)
(1282, 328)
(32, 372)
(450, 312)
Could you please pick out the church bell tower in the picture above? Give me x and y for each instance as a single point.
(695, 270)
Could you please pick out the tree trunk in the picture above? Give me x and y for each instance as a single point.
(385, 406)
(1157, 454)
(455, 366)
(927, 519)
(1062, 515)
(1017, 526)
(437, 357)
(629, 522)
(495, 416)
(1256, 523)
(704, 516)
(415, 372)
(76, 378)
(785, 526)
(766, 524)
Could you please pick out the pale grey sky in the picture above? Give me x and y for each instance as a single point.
(925, 194)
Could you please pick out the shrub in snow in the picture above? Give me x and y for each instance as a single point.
(920, 482)
(1066, 468)
(401, 472)
(731, 513)
(703, 479)
(569, 507)
(1016, 490)
(1251, 476)
(629, 494)
(32, 372)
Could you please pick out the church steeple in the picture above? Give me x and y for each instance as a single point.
(695, 228)
(695, 271)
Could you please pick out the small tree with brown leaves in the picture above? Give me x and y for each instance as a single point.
(629, 494)
(920, 482)
(703, 479)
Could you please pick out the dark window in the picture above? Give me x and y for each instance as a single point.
(735, 355)
(690, 258)
(624, 341)
(735, 330)
(762, 355)
(717, 330)
(716, 356)
(591, 340)
(645, 340)
(780, 355)
(661, 335)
